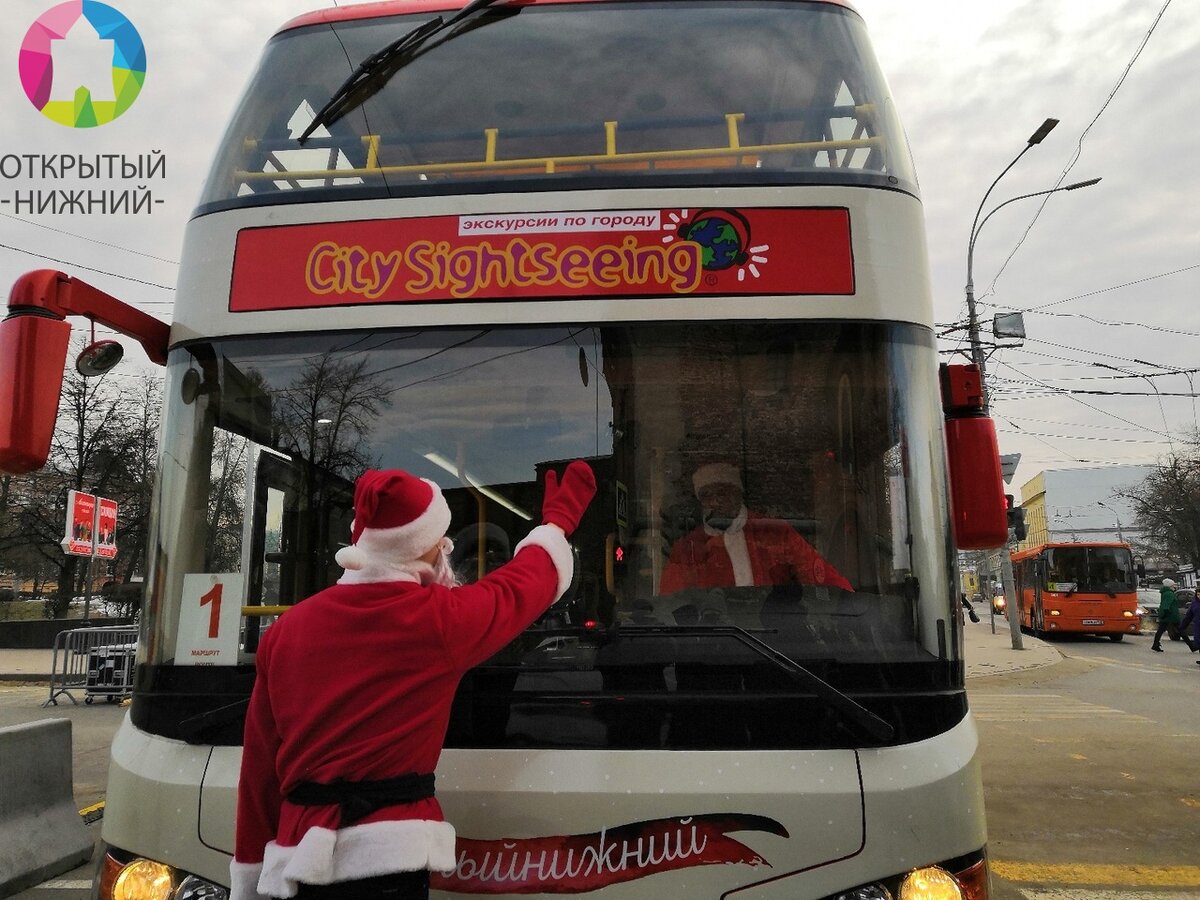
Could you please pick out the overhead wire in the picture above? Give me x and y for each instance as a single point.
(77, 265)
(1079, 145)
(84, 237)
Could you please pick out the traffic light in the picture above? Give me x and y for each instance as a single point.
(1016, 517)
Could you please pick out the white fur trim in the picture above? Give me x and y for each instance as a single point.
(376, 570)
(350, 557)
(243, 881)
(551, 539)
(360, 851)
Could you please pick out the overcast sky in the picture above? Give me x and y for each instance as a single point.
(1108, 275)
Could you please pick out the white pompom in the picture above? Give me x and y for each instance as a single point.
(350, 558)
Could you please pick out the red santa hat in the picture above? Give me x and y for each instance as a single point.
(398, 517)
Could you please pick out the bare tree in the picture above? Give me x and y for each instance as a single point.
(329, 410)
(104, 444)
(1167, 508)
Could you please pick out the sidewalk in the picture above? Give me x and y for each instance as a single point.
(993, 654)
(26, 665)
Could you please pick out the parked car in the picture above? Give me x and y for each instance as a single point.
(1148, 600)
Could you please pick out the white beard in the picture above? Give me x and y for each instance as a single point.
(363, 569)
(442, 573)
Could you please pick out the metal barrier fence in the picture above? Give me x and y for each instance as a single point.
(98, 660)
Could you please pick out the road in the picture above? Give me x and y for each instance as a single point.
(1090, 775)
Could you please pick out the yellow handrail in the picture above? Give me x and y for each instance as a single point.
(264, 610)
(551, 163)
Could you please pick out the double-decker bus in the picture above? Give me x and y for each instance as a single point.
(1077, 588)
(473, 243)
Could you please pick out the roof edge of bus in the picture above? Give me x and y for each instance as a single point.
(379, 8)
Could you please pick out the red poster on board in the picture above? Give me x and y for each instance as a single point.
(781, 251)
(106, 528)
(81, 523)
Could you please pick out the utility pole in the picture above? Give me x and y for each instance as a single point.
(980, 358)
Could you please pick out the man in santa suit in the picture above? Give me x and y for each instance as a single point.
(353, 693)
(733, 547)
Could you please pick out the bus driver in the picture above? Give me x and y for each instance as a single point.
(733, 547)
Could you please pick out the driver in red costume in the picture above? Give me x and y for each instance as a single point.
(734, 547)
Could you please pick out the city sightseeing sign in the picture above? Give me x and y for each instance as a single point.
(547, 255)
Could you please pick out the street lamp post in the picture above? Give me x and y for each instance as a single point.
(977, 354)
(1120, 536)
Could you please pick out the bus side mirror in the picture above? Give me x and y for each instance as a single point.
(973, 454)
(33, 352)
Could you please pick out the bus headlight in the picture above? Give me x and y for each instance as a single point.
(1127, 614)
(930, 883)
(1055, 612)
(195, 888)
(868, 892)
(126, 877)
(143, 879)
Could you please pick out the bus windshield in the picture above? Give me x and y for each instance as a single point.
(575, 96)
(828, 429)
(1090, 569)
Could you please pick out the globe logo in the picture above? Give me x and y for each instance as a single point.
(720, 240)
(82, 64)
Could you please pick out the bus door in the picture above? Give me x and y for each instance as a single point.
(1039, 581)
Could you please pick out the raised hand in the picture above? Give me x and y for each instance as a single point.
(564, 504)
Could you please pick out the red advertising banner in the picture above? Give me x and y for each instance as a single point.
(579, 863)
(548, 255)
(106, 528)
(81, 522)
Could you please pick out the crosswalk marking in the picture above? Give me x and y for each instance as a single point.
(1027, 707)
(65, 884)
(1146, 668)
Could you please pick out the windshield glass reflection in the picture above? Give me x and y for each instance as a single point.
(758, 532)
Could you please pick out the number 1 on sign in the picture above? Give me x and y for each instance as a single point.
(210, 618)
(214, 614)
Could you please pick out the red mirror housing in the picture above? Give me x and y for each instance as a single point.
(33, 352)
(976, 484)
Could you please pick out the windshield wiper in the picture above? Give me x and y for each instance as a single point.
(876, 727)
(197, 729)
(374, 71)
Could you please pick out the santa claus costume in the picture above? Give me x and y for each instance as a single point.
(354, 686)
(748, 550)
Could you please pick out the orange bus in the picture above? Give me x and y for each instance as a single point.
(1082, 588)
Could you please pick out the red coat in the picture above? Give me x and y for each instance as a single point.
(778, 555)
(356, 683)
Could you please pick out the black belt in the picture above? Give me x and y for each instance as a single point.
(358, 799)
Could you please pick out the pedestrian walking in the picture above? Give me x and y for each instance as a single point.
(353, 692)
(1168, 616)
(1192, 618)
(966, 604)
